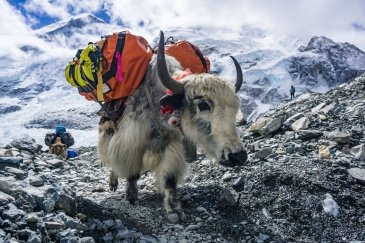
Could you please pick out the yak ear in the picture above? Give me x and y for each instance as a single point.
(176, 101)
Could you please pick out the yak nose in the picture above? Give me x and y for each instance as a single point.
(235, 159)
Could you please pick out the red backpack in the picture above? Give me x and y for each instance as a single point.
(189, 55)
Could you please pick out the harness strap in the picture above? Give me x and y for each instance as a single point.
(100, 87)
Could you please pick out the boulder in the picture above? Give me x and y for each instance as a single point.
(26, 143)
(301, 123)
(357, 173)
(10, 162)
(266, 125)
(324, 152)
(339, 137)
(359, 151)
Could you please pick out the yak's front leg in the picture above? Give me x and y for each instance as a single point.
(171, 202)
(113, 181)
(132, 190)
(170, 171)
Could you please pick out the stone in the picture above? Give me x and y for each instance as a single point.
(87, 240)
(357, 173)
(324, 152)
(192, 227)
(12, 212)
(10, 185)
(26, 233)
(280, 150)
(356, 129)
(173, 218)
(263, 237)
(263, 153)
(318, 107)
(124, 234)
(339, 137)
(32, 218)
(55, 162)
(26, 143)
(201, 209)
(227, 176)
(238, 184)
(322, 117)
(45, 197)
(308, 134)
(226, 198)
(293, 118)
(5, 198)
(359, 151)
(301, 123)
(20, 174)
(10, 162)
(265, 125)
(6, 153)
(35, 181)
(69, 239)
(54, 225)
(256, 126)
(34, 239)
(330, 206)
(327, 108)
(271, 126)
(67, 203)
(147, 239)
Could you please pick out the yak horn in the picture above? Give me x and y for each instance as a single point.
(167, 81)
(239, 74)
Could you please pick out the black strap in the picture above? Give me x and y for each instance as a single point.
(113, 67)
(170, 40)
(200, 55)
(109, 114)
(71, 73)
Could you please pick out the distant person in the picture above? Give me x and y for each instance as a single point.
(292, 92)
(59, 141)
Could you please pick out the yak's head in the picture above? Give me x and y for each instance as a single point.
(209, 106)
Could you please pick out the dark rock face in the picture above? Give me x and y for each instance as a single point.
(70, 26)
(4, 109)
(333, 63)
(79, 119)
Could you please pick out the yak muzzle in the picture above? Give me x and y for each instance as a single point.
(235, 159)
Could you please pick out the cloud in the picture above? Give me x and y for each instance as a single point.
(304, 19)
(16, 37)
(62, 8)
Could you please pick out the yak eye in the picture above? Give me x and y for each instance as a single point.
(203, 106)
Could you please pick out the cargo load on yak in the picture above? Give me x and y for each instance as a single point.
(111, 69)
(189, 55)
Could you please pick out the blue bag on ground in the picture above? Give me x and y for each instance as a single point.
(71, 153)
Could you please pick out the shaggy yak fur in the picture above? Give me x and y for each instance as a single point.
(143, 141)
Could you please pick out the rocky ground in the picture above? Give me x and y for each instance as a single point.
(304, 182)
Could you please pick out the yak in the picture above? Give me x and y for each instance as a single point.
(143, 140)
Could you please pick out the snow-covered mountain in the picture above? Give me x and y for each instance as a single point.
(34, 95)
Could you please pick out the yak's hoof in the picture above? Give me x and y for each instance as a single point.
(113, 185)
(132, 199)
(176, 216)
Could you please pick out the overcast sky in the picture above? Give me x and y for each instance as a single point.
(340, 20)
